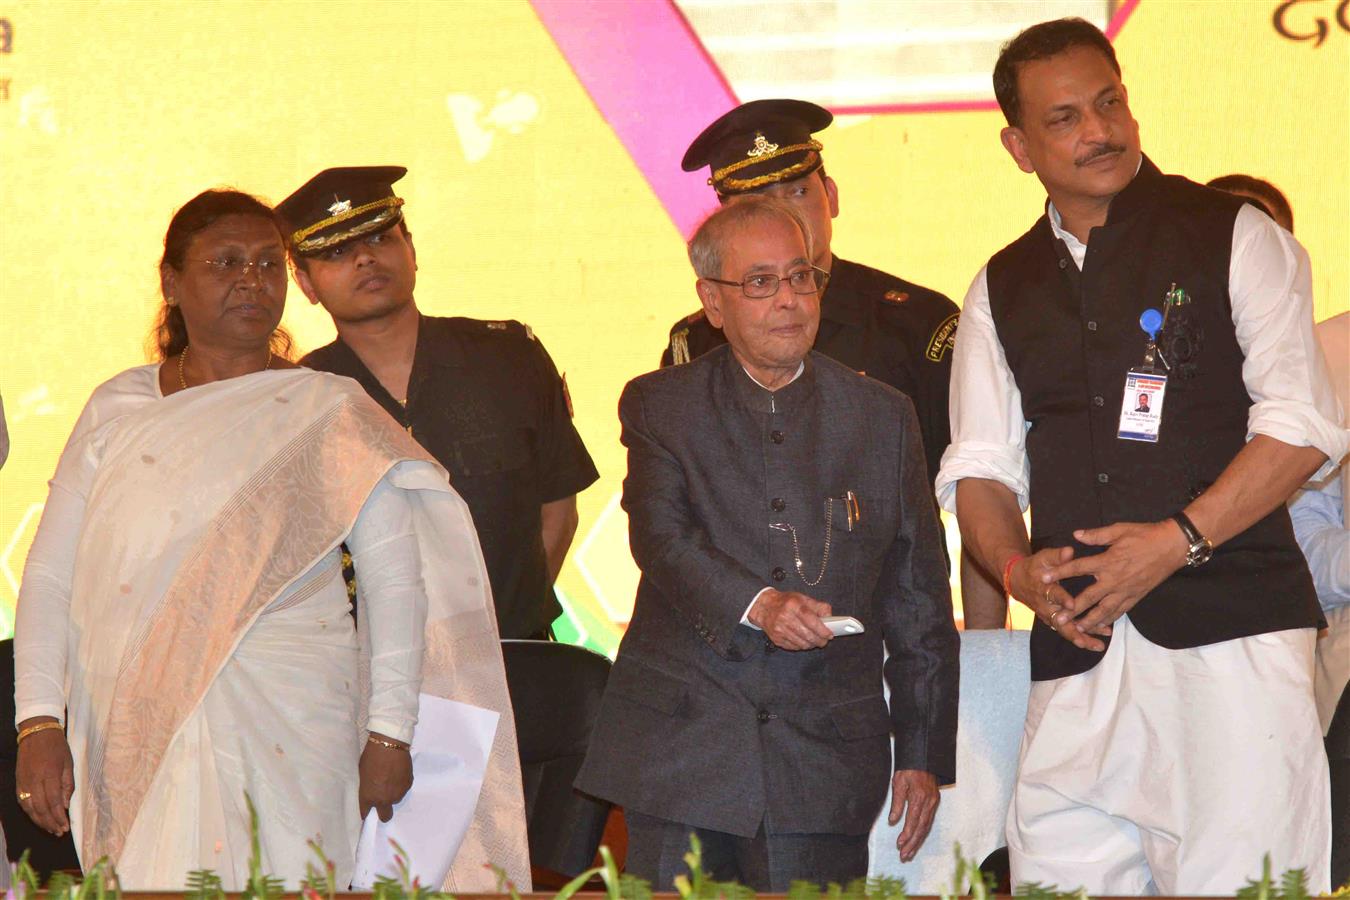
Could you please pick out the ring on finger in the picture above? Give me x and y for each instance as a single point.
(24, 796)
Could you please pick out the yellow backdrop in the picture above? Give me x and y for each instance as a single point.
(522, 202)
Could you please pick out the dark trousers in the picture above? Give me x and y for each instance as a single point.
(1340, 822)
(765, 862)
(1338, 753)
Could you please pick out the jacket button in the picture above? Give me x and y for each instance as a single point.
(778, 504)
(778, 573)
(1103, 478)
(1063, 263)
(1092, 326)
(763, 716)
(1098, 401)
(776, 437)
(770, 646)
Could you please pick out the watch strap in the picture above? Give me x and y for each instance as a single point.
(1193, 535)
(1199, 548)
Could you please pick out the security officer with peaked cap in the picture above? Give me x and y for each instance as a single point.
(482, 397)
(890, 329)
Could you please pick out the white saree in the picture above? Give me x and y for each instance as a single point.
(209, 649)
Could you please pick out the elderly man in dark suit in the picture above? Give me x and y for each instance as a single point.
(771, 491)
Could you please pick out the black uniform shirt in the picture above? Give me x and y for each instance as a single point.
(890, 329)
(486, 401)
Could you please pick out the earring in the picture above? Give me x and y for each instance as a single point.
(171, 301)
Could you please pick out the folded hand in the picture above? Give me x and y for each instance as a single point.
(1140, 556)
(1048, 599)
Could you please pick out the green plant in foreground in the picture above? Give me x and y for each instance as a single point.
(405, 885)
(968, 874)
(260, 885)
(320, 882)
(23, 879)
(203, 884)
(617, 886)
(1037, 891)
(99, 883)
(1293, 885)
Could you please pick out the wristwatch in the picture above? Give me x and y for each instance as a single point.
(1200, 549)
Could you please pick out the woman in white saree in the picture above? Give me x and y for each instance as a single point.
(183, 610)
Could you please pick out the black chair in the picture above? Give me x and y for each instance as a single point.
(46, 853)
(997, 869)
(555, 690)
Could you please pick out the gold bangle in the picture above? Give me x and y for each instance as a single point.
(392, 745)
(34, 729)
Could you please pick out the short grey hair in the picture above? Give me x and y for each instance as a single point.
(708, 245)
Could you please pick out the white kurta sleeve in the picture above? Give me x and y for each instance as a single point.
(389, 577)
(988, 431)
(42, 616)
(1270, 286)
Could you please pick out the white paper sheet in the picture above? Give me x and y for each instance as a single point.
(450, 749)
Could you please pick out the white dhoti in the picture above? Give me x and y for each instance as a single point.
(1174, 771)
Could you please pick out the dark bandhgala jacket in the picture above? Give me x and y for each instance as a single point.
(1070, 338)
(706, 723)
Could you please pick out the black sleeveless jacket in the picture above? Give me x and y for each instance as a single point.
(1070, 338)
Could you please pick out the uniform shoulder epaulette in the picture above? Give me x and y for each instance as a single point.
(679, 346)
(921, 309)
(508, 326)
(679, 337)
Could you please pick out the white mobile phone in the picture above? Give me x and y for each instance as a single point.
(842, 625)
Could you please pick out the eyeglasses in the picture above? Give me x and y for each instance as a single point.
(234, 267)
(765, 284)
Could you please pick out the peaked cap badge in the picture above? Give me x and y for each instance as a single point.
(762, 146)
(340, 207)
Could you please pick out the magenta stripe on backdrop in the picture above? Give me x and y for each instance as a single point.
(657, 87)
(651, 79)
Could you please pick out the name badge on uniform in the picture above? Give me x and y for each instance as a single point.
(1145, 388)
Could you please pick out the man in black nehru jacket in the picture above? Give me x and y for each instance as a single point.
(1171, 738)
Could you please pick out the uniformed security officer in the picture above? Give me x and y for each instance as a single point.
(482, 397)
(893, 330)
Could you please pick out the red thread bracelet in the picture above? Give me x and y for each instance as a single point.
(1007, 573)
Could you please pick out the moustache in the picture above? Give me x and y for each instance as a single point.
(1098, 153)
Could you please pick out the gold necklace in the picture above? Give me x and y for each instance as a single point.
(182, 380)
